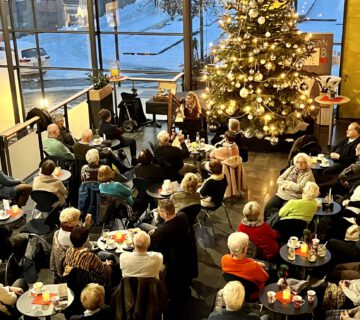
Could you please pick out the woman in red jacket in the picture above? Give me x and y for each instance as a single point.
(259, 232)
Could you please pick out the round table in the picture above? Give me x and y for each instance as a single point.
(12, 217)
(325, 213)
(317, 166)
(303, 262)
(63, 175)
(287, 309)
(195, 152)
(114, 143)
(120, 247)
(25, 306)
(331, 102)
(154, 191)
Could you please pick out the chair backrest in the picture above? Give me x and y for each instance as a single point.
(250, 287)
(44, 200)
(192, 212)
(52, 219)
(141, 185)
(114, 208)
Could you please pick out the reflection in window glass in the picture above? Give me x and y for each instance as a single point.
(22, 14)
(323, 16)
(31, 91)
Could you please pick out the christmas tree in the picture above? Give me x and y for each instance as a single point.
(258, 77)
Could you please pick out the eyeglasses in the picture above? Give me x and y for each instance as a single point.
(300, 162)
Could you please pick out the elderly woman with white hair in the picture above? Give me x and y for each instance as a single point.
(173, 156)
(296, 210)
(291, 183)
(89, 172)
(237, 264)
(65, 134)
(188, 196)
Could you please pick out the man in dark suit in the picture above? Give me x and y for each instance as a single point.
(174, 240)
(344, 153)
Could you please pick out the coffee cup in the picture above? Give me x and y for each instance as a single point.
(2, 214)
(271, 296)
(314, 159)
(325, 162)
(321, 156)
(167, 182)
(56, 302)
(319, 202)
(38, 286)
(315, 243)
(298, 301)
(311, 294)
(294, 241)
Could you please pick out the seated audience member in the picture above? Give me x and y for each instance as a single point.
(147, 169)
(213, 189)
(140, 262)
(65, 135)
(112, 131)
(11, 243)
(228, 149)
(174, 240)
(8, 298)
(89, 172)
(78, 256)
(188, 196)
(233, 295)
(291, 183)
(46, 182)
(350, 314)
(344, 153)
(93, 300)
(343, 251)
(53, 145)
(259, 232)
(238, 265)
(345, 271)
(6, 245)
(14, 189)
(350, 176)
(172, 155)
(69, 219)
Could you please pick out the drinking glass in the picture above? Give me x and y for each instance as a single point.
(106, 234)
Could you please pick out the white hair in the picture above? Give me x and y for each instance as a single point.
(234, 295)
(69, 215)
(163, 137)
(238, 243)
(305, 156)
(252, 210)
(142, 241)
(92, 156)
(310, 191)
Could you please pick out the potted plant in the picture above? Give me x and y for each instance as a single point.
(100, 96)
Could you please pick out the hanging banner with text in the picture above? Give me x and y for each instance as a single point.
(321, 60)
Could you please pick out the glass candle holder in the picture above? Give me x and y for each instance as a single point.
(286, 294)
(46, 296)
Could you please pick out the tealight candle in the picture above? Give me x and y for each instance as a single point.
(304, 248)
(15, 208)
(46, 296)
(118, 235)
(286, 294)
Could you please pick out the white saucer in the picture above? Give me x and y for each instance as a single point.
(7, 216)
(295, 247)
(110, 247)
(324, 166)
(165, 194)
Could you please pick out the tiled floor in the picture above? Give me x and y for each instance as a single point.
(262, 170)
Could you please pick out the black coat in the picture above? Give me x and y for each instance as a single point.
(347, 151)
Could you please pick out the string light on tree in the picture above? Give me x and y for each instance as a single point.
(258, 76)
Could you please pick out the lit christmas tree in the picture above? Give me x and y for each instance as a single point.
(258, 76)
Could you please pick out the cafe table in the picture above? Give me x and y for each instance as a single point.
(114, 143)
(10, 216)
(155, 191)
(119, 237)
(63, 175)
(27, 308)
(286, 309)
(302, 261)
(320, 212)
(318, 166)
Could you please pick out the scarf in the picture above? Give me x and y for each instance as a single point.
(252, 224)
(294, 174)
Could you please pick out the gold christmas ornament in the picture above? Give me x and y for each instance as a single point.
(244, 92)
(261, 20)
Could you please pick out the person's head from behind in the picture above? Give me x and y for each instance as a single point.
(234, 295)
(353, 131)
(189, 183)
(145, 157)
(166, 209)
(105, 174)
(234, 125)
(163, 137)
(92, 296)
(310, 191)
(238, 243)
(69, 218)
(252, 211)
(141, 241)
(87, 135)
(53, 130)
(47, 167)
(58, 119)
(92, 157)
(78, 236)
(215, 166)
(105, 115)
(230, 136)
(302, 161)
